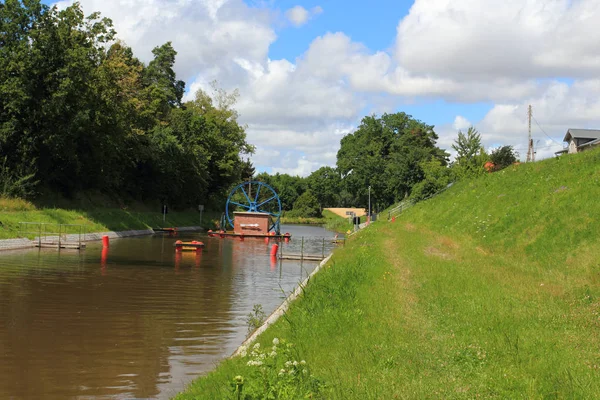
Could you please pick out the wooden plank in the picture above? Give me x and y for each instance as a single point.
(309, 257)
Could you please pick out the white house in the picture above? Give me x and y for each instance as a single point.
(580, 140)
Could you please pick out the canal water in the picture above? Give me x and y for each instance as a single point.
(137, 321)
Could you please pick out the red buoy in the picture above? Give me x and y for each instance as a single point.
(274, 250)
(178, 247)
(266, 239)
(105, 241)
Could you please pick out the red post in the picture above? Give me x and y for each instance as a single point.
(103, 257)
(273, 263)
(178, 246)
(105, 241)
(274, 250)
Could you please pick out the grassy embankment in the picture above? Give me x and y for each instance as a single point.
(490, 290)
(330, 220)
(14, 211)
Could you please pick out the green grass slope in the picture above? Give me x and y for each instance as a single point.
(489, 290)
(14, 211)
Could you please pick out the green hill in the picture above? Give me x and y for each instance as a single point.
(489, 290)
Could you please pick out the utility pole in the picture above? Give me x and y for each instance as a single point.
(530, 151)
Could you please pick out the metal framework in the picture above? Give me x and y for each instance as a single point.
(254, 196)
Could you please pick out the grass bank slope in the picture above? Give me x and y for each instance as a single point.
(14, 211)
(490, 290)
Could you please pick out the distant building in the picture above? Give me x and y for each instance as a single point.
(579, 140)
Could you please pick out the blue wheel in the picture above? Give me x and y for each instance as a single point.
(254, 196)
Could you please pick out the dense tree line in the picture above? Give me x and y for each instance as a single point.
(79, 112)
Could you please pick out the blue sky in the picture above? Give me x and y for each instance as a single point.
(308, 71)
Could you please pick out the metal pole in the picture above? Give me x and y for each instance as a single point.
(40, 237)
(302, 250)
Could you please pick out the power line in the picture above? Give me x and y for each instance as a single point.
(538, 124)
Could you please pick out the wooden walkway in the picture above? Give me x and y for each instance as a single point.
(61, 245)
(304, 257)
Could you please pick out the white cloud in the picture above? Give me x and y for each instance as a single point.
(477, 39)
(299, 15)
(461, 123)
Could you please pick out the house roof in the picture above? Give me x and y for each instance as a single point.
(582, 134)
(592, 143)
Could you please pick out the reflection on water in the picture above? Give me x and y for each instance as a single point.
(136, 320)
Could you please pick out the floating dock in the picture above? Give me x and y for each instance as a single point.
(223, 234)
(188, 246)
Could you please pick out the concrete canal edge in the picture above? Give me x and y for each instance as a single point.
(280, 310)
(20, 243)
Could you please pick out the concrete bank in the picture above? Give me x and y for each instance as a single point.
(17, 244)
(280, 310)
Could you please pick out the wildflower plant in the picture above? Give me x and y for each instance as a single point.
(275, 373)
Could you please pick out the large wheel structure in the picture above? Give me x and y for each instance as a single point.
(254, 196)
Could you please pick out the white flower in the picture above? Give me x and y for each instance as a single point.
(295, 363)
(243, 354)
(275, 341)
(304, 371)
(256, 346)
(274, 348)
(288, 364)
(273, 354)
(281, 372)
(303, 362)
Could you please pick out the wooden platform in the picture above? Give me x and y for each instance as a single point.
(304, 257)
(188, 246)
(63, 245)
(247, 235)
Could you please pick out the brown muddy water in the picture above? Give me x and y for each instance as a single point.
(143, 322)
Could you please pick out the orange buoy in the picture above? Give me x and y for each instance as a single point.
(274, 250)
(178, 246)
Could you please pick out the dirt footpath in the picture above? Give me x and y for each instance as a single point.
(342, 211)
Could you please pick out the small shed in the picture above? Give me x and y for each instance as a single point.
(579, 140)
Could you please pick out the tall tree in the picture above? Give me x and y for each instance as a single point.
(163, 90)
(326, 183)
(471, 155)
(385, 153)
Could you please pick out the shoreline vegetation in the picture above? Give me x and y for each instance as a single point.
(490, 289)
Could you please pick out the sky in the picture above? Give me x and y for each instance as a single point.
(309, 71)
